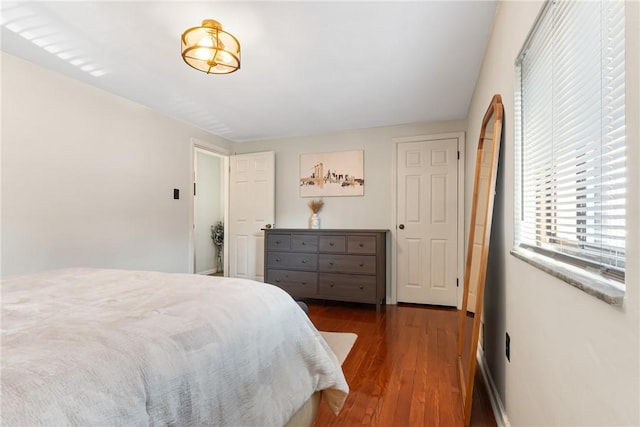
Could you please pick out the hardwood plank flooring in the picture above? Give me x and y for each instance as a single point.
(401, 370)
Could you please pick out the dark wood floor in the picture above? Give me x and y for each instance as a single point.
(401, 370)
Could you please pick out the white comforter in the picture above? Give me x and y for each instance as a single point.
(110, 347)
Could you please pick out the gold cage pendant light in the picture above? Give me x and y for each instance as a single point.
(210, 49)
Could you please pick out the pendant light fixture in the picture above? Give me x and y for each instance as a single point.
(210, 49)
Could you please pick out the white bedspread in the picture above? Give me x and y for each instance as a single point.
(110, 347)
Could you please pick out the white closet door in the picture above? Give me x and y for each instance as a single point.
(427, 215)
(251, 208)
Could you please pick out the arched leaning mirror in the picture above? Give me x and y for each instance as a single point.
(478, 250)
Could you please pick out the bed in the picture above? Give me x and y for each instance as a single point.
(114, 347)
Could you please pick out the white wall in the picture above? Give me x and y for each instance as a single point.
(88, 177)
(574, 358)
(374, 209)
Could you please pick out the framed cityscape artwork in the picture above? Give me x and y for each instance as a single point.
(339, 173)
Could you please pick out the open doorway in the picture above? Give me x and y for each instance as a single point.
(209, 208)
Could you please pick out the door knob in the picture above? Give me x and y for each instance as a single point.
(401, 226)
(268, 226)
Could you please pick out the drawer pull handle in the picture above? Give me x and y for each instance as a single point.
(277, 280)
(331, 285)
(304, 283)
(361, 244)
(277, 259)
(361, 287)
(277, 242)
(361, 265)
(330, 243)
(330, 262)
(304, 261)
(304, 243)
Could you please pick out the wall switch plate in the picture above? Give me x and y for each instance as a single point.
(176, 193)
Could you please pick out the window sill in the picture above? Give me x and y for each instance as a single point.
(602, 288)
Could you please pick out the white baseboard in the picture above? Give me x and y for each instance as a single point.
(496, 403)
(207, 272)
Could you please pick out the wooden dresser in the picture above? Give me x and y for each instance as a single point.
(342, 265)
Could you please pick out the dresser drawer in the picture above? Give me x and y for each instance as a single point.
(296, 283)
(333, 244)
(361, 244)
(304, 242)
(348, 287)
(360, 264)
(296, 261)
(278, 242)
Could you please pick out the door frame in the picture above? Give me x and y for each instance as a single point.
(392, 295)
(196, 145)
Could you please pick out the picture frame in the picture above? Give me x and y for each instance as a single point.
(332, 174)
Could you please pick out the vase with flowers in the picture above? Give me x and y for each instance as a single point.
(314, 220)
(217, 234)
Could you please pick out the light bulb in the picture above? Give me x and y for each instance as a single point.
(206, 41)
(203, 53)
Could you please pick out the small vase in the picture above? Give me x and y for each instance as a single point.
(315, 222)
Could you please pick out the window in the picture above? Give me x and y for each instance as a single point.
(570, 139)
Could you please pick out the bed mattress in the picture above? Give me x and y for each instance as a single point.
(116, 347)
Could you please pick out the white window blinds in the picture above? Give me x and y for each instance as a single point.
(570, 136)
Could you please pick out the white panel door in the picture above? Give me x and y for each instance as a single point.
(427, 215)
(251, 208)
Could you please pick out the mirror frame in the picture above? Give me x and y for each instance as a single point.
(495, 113)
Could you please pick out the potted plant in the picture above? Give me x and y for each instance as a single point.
(217, 234)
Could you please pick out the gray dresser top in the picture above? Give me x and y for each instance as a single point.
(326, 230)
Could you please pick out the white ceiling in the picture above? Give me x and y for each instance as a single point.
(307, 67)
